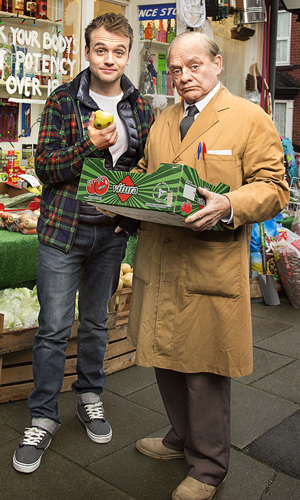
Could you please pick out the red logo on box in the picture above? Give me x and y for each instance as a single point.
(125, 188)
(98, 186)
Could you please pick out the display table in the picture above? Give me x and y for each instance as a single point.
(18, 255)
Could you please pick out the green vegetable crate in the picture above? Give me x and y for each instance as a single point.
(16, 381)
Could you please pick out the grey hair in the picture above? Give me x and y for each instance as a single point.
(208, 45)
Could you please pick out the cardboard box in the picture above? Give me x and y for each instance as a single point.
(166, 196)
(12, 191)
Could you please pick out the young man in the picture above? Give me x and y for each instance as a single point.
(190, 314)
(80, 248)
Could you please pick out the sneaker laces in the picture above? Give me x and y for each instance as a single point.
(95, 410)
(33, 436)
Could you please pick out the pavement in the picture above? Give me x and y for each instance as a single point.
(265, 455)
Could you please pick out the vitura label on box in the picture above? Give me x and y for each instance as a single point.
(165, 196)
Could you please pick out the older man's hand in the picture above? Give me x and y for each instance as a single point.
(217, 207)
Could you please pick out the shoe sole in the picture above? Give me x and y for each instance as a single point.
(106, 438)
(172, 456)
(28, 468)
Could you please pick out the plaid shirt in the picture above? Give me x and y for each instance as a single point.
(62, 148)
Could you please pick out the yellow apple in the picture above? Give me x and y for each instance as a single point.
(102, 119)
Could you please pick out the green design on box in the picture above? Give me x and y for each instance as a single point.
(165, 196)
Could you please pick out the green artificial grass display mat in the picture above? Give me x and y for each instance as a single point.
(18, 256)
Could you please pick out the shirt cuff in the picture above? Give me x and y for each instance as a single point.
(228, 220)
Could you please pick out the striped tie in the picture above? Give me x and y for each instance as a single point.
(187, 121)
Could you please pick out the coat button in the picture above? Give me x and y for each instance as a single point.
(167, 240)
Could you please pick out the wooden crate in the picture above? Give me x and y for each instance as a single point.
(16, 381)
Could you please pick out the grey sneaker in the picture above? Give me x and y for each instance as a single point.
(92, 416)
(28, 455)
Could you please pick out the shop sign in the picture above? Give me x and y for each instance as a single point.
(160, 11)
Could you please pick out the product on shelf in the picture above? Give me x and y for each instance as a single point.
(29, 8)
(7, 5)
(162, 33)
(159, 83)
(141, 31)
(41, 9)
(164, 83)
(169, 84)
(148, 32)
(19, 6)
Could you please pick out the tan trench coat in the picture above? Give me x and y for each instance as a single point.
(190, 308)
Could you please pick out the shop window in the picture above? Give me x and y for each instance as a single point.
(39, 50)
(283, 38)
(283, 118)
(101, 7)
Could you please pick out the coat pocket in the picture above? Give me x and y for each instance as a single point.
(143, 257)
(214, 268)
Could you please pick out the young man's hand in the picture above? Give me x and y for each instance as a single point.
(104, 138)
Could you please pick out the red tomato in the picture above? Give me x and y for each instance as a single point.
(183, 207)
(101, 185)
(90, 186)
(188, 207)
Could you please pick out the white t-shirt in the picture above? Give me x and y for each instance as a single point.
(109, 104)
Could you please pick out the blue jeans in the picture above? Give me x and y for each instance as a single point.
(93, 267)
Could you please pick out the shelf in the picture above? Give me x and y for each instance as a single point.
(151, 43)
(164, 95)
(26, 101)
(14, 17)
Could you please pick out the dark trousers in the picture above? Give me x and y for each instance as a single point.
(198, 407)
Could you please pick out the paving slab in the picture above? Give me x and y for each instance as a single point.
(284, 313)
(280, 447)
(7, 434)
(264, 363)
(263, 328)
(247, 479)
(129, 422)
(149, 398)
(286, 342)
(57, 478)
(283, 383)
(282, 487)
(130, 380)
(253, 413)
(141, 477)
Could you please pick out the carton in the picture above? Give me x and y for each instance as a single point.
(166, 196)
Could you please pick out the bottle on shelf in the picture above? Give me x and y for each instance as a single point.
(41, 9)
(154, 31)
(29, 8)
(148, 32)
(7, 5)
(141, 31)
(169, 84)
(164, 83)
(171, 35)
(161, 34)
(159, 83)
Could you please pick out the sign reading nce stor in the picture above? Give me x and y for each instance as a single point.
(36, 61)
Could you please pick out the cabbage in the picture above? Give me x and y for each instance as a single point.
(20, 307)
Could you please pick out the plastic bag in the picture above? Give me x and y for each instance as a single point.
(287, 258)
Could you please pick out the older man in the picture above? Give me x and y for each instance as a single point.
(190, 316)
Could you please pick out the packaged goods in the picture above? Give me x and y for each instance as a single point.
(166, 196)
(287, 258)
(6, 56)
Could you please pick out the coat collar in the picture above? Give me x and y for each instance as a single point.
(204, 121)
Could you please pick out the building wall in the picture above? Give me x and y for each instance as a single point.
(295, 73)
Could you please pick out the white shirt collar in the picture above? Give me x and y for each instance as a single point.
(201, 104)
